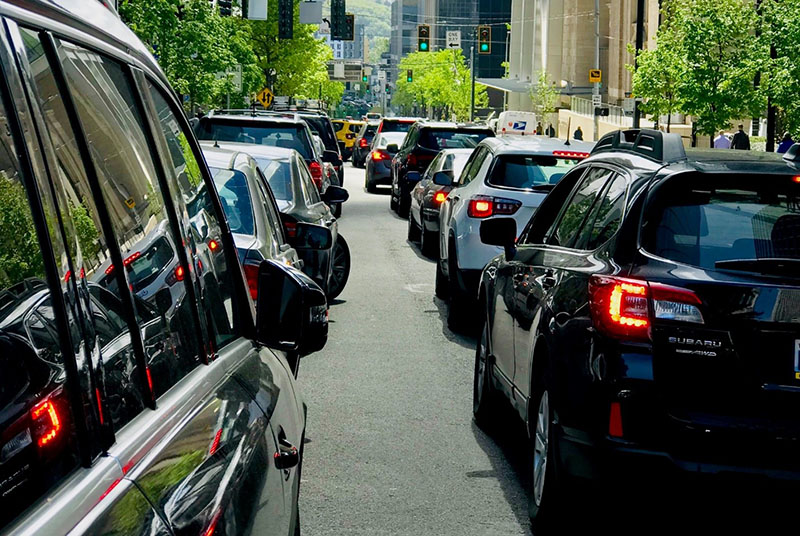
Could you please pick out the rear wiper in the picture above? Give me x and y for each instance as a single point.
(770, 265)
(542, 187)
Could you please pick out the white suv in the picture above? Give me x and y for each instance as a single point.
(505, 176)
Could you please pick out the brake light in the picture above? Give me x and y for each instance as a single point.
(622, 308)
(131, 258)
(213, 245)
(48, 423)
(251, 274)
(149, 379)
(109, 269)
(179, 273)
(440, 196)
(362, 142)
(215, 443)
(379, 155)
(484, 206)
(99, 405)
(796, 179)
(316, 174)
(615, 420)
(412, 159)
(576, 155)
(291, 229)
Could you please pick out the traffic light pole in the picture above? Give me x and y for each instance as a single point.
(472, 90)
(596, 89)
(639, 44)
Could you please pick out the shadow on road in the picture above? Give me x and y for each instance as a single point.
(418, 252)
(467, 340)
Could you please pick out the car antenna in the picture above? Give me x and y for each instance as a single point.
(216, 143)
(569, 129)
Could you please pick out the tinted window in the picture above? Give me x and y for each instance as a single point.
(396, 126)
(476, 161)
(528, 171)
(279, 177)
(606, 217)
(578, 207)
(337, 126)
(388, 138)
(439, 139)
(707, 220)
(232, 188)
(259, 133)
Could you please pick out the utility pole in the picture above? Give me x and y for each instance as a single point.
(596, 88)
(639, 45)
(472, 90)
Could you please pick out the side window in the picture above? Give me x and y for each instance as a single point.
(309, 190)
(606, 217)
(272, 210)
(433, 167)
(473, 166)
(200, 224)
(411, 138)
(566, 230)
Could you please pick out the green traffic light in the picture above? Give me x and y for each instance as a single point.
(423, 46)
(484, 47)
(363, 78)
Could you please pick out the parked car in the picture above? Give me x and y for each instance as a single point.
(361, 147)
(379, 160)
(428, 195)
(286, 175)
(423, 142)
(346, 132)
(505, 176)
(647, 319)
(120, 411)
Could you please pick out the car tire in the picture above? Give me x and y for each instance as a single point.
(413, 230)
(428, 243)
(340, 268)
(441, 287)
(460, 305)
(548, 489)
(393, 203)
(369, 186)
(484, 398)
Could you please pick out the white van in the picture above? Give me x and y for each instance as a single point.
(516, 123)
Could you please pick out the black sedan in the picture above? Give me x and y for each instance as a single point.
(647, 318)
(428, 195)
(379, 160)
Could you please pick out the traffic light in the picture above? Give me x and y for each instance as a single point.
(225, 7)
(484, 39)
(349, 27)
(337, 20)
(410, 76)
(364, 77)
(424, 38)
(285, 19)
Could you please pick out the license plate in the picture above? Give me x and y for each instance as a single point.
(797, 359)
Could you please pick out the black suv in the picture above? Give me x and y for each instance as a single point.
(423, 142)
(321, 125)
(140, 391)
(648, 317)
(361, 147)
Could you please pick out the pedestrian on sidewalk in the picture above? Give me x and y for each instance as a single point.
(741, 140)
(785, 143)
(578, 134)
(539, 128)
(722, 141)
(551, 131)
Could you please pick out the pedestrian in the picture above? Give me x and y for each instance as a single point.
(785, 143)
(539, 128)
(551, 131)
(578, 134)
(722, 141)
(741, 140)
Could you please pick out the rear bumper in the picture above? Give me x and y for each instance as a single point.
(430, 218)
(379, 174)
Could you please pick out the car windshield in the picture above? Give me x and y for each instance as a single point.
(396, 126)
(259, 133)
(388, 138)
(439, 139)
(743, 222)
(235, 197)
(279, 176)
(528, 171)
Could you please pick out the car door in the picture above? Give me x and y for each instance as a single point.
(539, 271)
(454, 198)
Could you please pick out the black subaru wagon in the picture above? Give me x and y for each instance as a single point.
(648, 317)
(140, 392)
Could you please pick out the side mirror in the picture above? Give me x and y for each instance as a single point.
(330, 156)
(413, 176)
(392, 148)
(443, 178)
(310, 236)
(335, 194)
(291, 310)
(500, 232)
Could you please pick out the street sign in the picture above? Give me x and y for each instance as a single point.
(265, 97)
(310, 12)
(345, 70)
(597, 100)
(628, 105)
(381, 76)
(453, 38)
(595, 76)
(280, 101)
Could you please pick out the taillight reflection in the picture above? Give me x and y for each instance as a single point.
(251, 274)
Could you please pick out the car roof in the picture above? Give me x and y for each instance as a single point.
(217, 156)
(253, 149)
(517, 144)
(257, 118)
(448, 124)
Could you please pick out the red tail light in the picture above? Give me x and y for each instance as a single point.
(625, 308)
(483, 206)
(131, 258)
(251, 274)
(291, 229)
(99, 405)
(363, 143)
(149, 379)
(615, 420)
(316, 174)
(213, 245)
(440, 196)
(179, 273)
(575, 155)
(46, 422)
(412, 159)
(380, 155)
(215, 443)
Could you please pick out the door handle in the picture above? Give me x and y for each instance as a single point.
(287, 455)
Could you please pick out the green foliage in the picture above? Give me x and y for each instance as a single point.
(544, 95)
(441, 84)
(85, 230)
(781, 80)
(21, 255)
(379, 45)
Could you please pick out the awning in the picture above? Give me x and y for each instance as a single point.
(510, 85)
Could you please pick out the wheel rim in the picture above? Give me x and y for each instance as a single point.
(339, 266)
(541, 442)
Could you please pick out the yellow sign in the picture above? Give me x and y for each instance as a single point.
(265, 97)
(595, 76)
(131, 202)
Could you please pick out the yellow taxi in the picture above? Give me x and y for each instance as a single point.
(346, 132)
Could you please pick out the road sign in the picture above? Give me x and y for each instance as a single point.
(265, 97)
(280, 100)
(597, 100)
(628, 105)
(595, 76)
(453, 38)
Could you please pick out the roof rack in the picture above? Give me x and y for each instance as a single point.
(254, 112)
(651, 144)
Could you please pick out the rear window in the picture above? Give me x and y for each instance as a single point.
(396, 126)
(743, 223)
(387, 138)
(235, 197)
(279, 176)
(528, 171)
(321, 126)
(439, 139)
(144, 267)
(337, 126)
(275, 134)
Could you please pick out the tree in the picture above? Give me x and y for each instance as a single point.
(781, 75)
(24, 259)
(544, 95)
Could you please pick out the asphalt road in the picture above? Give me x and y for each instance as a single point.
(392, 447)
